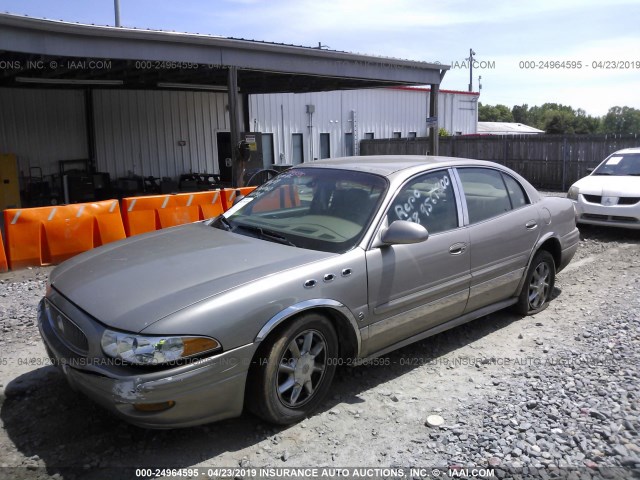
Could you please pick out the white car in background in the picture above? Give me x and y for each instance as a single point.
(610, 195)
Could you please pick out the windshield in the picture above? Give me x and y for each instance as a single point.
(620, 164)
(315, 208)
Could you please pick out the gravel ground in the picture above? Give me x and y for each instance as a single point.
(556, 395)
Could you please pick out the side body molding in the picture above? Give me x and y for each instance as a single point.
(308, 305)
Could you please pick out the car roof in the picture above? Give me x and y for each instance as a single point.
(627, 150)
(388, 165)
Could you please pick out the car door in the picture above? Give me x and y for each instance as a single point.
(503, 229)
(415, 287)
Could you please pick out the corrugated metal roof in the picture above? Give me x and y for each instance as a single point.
(506, 128)
(426, 88)
(263, 67)
(221, 37)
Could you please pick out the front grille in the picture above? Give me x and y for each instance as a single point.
(621, 201)
(67, 331)
(609, 218)
(593, 216)
(616, 218)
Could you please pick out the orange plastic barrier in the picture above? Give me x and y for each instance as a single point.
(246, 190)
(49, 235)
(146, 214)
(230, 194)
(200, 205)
(140, 214)
(178, 211)
(284, 197)
(4, 266)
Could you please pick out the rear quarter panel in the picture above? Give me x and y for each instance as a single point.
(559, 222)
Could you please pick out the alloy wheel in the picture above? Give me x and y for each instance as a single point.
(301, 368)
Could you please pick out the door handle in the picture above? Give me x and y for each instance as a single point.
(457, 248)
(531, 225)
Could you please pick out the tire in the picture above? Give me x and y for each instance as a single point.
(293, 370)
(538, 285)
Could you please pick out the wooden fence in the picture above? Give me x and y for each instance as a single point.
(550, 162)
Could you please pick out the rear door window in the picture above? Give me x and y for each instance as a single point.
(485, 192)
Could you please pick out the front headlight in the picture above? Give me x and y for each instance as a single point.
(573, 193)
(151, 350)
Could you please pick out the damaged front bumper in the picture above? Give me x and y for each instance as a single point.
(202, 391)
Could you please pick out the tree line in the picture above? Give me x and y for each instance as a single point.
(557, 118)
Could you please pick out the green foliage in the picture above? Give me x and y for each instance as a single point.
(583, 123)
(443, 132)
(621, 120)
(497, 113)
(555, 118)
(558, 121)
(563, 119)
(521, 114)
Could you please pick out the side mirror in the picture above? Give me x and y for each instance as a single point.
(402, 232)
(590, 169)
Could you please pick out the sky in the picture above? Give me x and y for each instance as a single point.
(581, 53)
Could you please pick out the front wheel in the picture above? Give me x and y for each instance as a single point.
(293, 371)
(538, 285)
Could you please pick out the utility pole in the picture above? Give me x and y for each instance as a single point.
(471, 54)
(116, 6)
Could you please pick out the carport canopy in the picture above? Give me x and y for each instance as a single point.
(55, 54)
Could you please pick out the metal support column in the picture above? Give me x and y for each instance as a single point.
(234, 125)
(91, 130)
(433, 113)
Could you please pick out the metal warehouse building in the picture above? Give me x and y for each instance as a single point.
(143, 103)
(312, 126)
(167, 133)
(144, 132)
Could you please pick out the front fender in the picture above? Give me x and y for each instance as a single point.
(345, 315)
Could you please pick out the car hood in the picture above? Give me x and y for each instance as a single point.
(131, 284)
(610, 186)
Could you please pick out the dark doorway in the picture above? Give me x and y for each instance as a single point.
(325, 146)
(224, 156)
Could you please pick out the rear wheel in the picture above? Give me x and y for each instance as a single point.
(538, 285)
(293, 371)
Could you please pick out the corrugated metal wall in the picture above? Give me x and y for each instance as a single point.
(379, 111)
(141, 131)
(42, 127)
(458, 112)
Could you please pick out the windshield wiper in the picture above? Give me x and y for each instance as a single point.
(268, 234)
(222, 223)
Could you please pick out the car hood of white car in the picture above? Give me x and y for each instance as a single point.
(610, 186)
